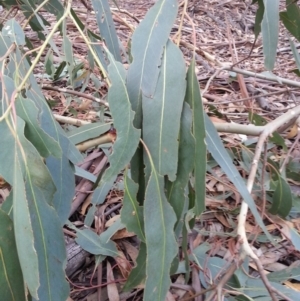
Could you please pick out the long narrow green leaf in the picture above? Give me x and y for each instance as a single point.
(159, 219)
(290, 18)
(282, 199)
(95, 244)
(7, 205)
(98, 244)
(63, 174)
(36, 224)
(186, 156)
(101, 191)
(147, 47)
(55, 7)
(259, 17)
(46, 227)
(290, 272)
(296, 54)
(132, 213)
(98, 49)
(111, 230)
(88, 131)
(270, 31)
(98, 198)
(61, 170)
(106, 27)
(193, 97)
(68, 54)
(148, 42)
(218, 151)
(45, 144)
(127, 135)
(161, 113)
(50, 245)
(37, 22)
(10, 169)
(11, 277)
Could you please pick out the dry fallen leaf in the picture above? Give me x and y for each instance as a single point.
(292, 132)
(112, 290)
(123, 264)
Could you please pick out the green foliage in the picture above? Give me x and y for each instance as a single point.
(282, 199)
(11, 277)
(162, 132)
(270, 29)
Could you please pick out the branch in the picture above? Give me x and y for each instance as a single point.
(241, 230)
(268, 76)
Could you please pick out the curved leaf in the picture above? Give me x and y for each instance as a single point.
(127, 135)
(216, 148)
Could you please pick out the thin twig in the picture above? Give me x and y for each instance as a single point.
(248, 98)
(181, 22)
(80, 94)
(272, 290)
(270, 77)
(241, 230)
(263, 192)
(211, 78)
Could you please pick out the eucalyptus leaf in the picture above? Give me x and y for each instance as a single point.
(159, 219)
(106, 27)
(216, 148)
(11, 277)
(193, 98)
(176, 193)
(282, 198)
(127, 135)
(290, 18)
(88, 131)
(270, 30)
(95, 244)
(132, 213)
(161, 113)
(35, 221)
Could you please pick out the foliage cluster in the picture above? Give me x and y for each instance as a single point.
(162, 131)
